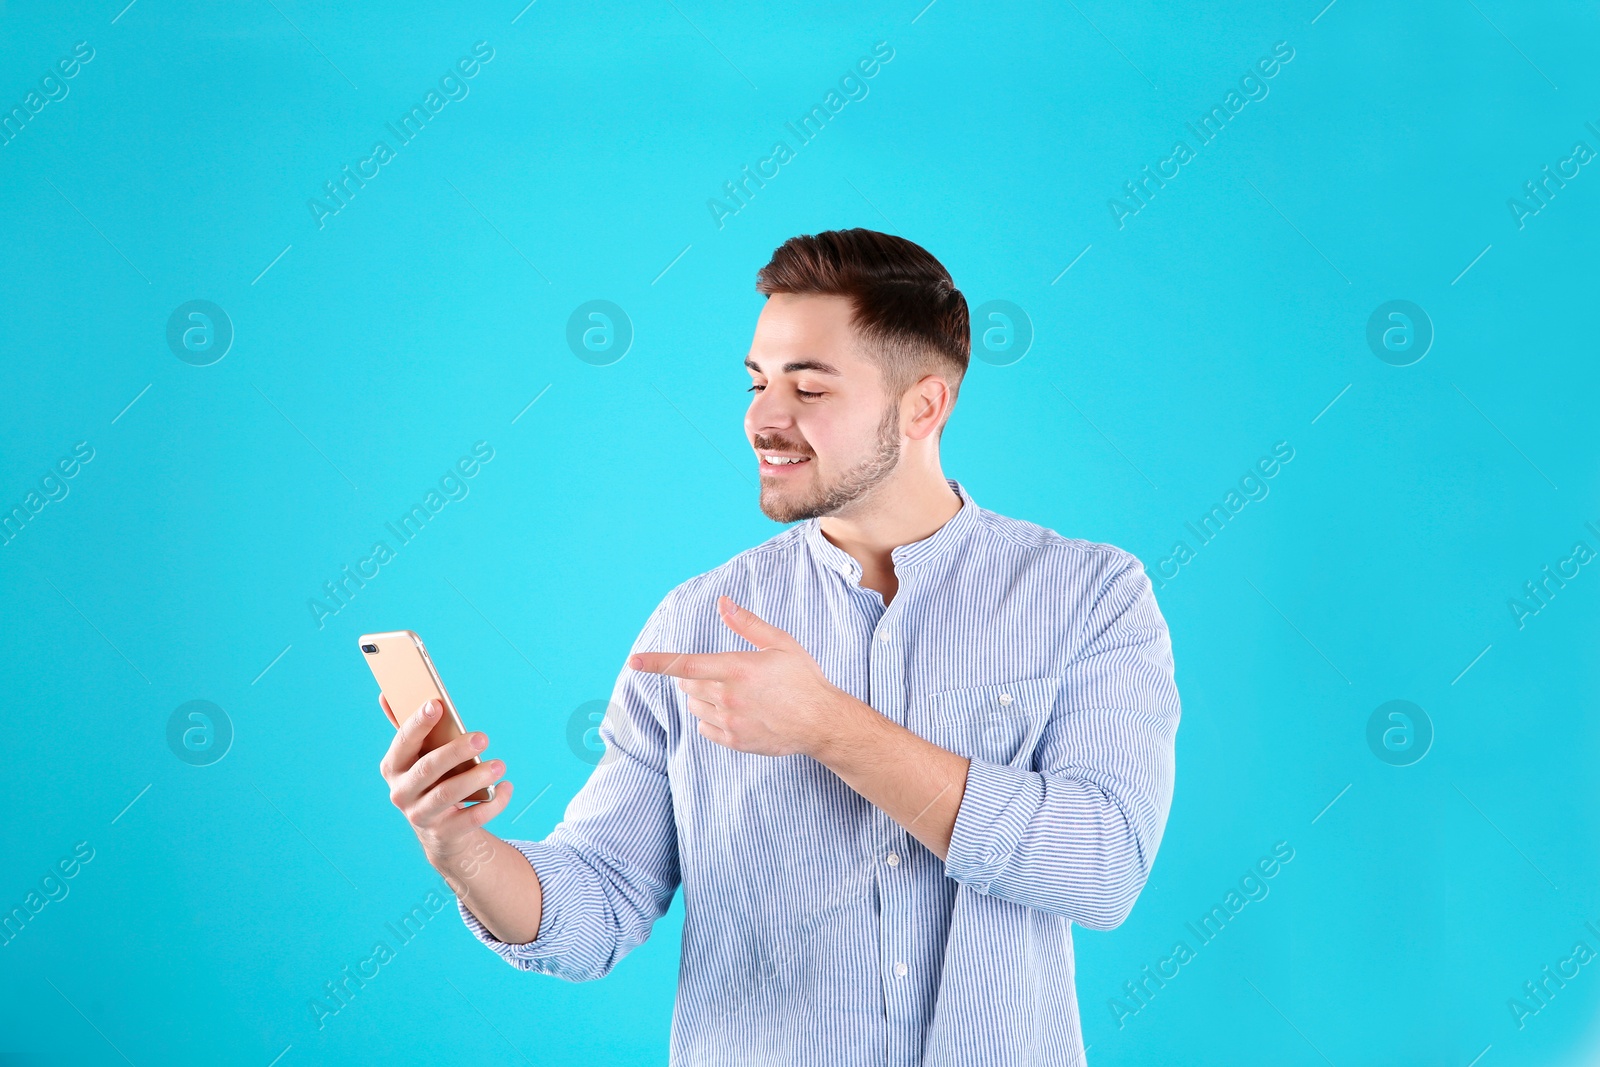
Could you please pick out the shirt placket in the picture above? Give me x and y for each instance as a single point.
(892, 862)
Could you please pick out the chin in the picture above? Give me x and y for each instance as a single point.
(788, 504)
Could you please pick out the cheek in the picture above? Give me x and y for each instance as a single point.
(844, 435)
(830, 428)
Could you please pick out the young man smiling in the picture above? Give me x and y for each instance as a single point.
(891, 754)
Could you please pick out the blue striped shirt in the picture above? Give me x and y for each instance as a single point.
(816, 930)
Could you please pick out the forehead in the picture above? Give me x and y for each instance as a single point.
(809, 329)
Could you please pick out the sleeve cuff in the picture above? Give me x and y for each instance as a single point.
(994, 813)
(554, 869)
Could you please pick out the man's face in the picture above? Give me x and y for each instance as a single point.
(818, 401)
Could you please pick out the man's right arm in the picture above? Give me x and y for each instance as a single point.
(503, 889)
(573, 904)
(499, 885)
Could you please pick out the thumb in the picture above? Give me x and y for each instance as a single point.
(748, 625)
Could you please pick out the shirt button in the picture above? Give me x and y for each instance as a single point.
(893, 859)
(883, 635)
(1005, 699)
(900, 970)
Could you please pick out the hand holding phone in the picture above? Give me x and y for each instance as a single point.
(407, 679)
(432, 766)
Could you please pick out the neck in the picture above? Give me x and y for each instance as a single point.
(909, 506)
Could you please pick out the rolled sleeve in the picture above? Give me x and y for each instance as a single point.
(1078, 836)
(562, 925)
(996, 810)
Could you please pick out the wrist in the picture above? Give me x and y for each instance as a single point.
(842, 727)
(448, 857)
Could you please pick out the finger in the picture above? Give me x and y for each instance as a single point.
(408, 739)
(383, 702)
(432, 767)
(706, 711)
(453, 790)
(680, 664)
(750, 626)
(482, 813)
(704, 689)
(713, 732)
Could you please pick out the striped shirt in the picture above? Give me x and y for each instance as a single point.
(816, 930)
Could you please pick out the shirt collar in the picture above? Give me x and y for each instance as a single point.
(942, 541)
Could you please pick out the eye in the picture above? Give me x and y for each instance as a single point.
(758, 387)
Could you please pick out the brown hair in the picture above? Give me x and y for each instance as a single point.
(906, 304)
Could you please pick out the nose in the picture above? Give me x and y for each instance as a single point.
(769, 413)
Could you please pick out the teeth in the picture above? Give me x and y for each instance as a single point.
(781, 459)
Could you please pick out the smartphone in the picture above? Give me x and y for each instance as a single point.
(407, 678)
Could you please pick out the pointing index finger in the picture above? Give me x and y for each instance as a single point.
(677, 664)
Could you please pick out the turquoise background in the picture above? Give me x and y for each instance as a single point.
(1228, 314)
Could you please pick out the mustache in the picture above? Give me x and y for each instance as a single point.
(774, 444)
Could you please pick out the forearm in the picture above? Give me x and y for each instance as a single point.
(497, 884)
(913, 781)
(1057, 842)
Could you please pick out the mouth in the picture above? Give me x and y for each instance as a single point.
(781, 464)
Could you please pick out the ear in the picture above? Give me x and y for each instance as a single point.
(927, 406)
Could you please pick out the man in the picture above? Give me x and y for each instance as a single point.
(891, 754)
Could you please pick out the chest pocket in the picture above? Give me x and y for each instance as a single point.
(1000, 723)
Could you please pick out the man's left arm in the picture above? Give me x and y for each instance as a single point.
(1075, 838)
(1078, 836)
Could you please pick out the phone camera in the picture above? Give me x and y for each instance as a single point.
(369, 648)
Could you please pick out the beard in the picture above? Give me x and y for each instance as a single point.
(796, 504)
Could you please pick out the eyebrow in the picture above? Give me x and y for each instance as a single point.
(798, 365)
